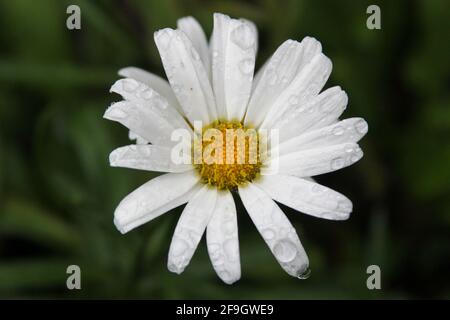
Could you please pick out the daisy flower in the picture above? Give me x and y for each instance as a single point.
(214, 84)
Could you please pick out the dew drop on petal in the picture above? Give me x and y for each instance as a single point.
(268, 234)
(246, 66)
(285, 251)
(130, 85)
(337, 163)
(243, 36)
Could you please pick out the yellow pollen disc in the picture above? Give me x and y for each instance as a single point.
(226, 154)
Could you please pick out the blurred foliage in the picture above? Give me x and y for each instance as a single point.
(58, 194)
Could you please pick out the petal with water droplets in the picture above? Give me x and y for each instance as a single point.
(317, 161)
(305, 86)
(276, 230)
(306, 196)
(222, 239)
(187, 75)
(233, 46)
(154, 198)
(153, 81)
(195, 33)
(320, 111)
(348, 130)
(146, 157)
(287, 61)
(190, 228)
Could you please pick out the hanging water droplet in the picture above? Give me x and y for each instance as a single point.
(246, 66)
(305, 274)
(215, 53)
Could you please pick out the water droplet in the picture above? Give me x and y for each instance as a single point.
(338, 131)
(361, 126)
(305, 274)
(146, 94)
(228, 227)
(215, 54)
(243, 36)
(246, 66)
(285, 251)
(337, 163)
(268, 234)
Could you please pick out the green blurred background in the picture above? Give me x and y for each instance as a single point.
(58, 193)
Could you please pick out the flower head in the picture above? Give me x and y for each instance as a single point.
(261, 136)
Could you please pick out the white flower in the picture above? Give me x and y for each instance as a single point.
(214, 84)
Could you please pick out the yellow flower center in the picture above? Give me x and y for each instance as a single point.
(226, 154)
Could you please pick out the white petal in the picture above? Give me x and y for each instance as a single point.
(138, 138)
(320, 111)
(233, 61)
(306, 85)
(306, 196)
(195, 33)
(146, 157)
(222, 239)
(153, 81)
(146, 113)
(276, 230)
(348, 130)
(313, 162)
(154, 198)
(190, 228)
(287, 61)
(186, 74)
